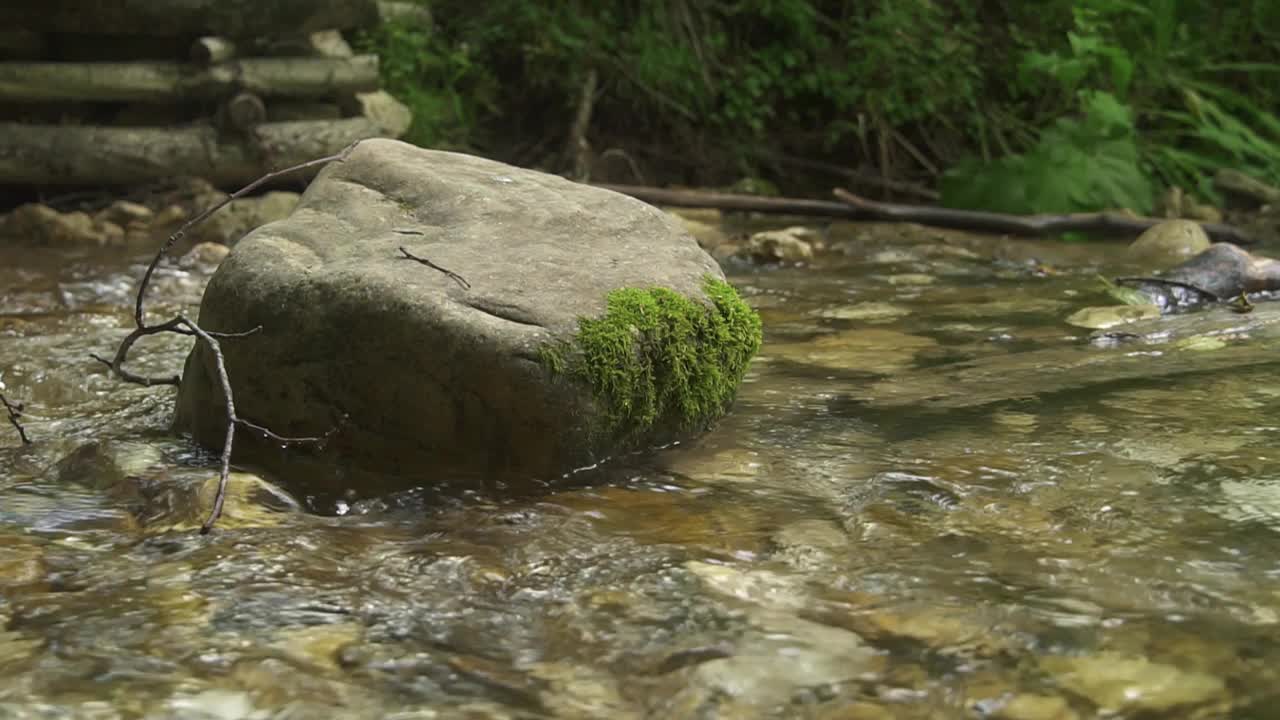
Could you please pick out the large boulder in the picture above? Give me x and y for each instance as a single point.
(580, 324)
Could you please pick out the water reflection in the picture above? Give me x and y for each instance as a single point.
(872, 534)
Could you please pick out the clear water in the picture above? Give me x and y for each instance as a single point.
(933, 499)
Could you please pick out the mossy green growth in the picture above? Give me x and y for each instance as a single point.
(656, 356)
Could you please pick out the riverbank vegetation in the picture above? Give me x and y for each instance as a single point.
(1009, 105)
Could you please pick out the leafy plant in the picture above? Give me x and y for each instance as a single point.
(1078, 164)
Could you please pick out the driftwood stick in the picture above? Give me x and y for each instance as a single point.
(1036, 225)
(14, 411)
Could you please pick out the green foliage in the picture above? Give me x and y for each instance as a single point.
(1061, 104)
(1079, 164)
(657, 356)
(1143, 97)
(739, 72)
(441, 83)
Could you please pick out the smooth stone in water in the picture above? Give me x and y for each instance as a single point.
(214, 704)
(250, 502)
(789, 245)
(580, 324)
(869, 311)
(1169, 243)
(1034, 707)
(863, 350)
(1134, 685)
(908, 279)
(1101, 318)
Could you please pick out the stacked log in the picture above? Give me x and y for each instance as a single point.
(226, 105)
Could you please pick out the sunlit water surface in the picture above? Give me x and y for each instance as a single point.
(872, 533)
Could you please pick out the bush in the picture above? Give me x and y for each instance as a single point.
(1059, 105)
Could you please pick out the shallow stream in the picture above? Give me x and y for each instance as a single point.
(933, 499)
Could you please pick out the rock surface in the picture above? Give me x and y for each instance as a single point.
(1170, 243)
(581, 323)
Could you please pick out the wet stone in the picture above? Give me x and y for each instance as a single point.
(1101, 318)
(867, 311)
(1127, 684)
(215, 704)
(871, 350)
(1169, 243)
(710, 465)
(790, 245)
(911, 279)
(21, 563)
(811, 544)
(319, 646)
(185, 504)
(578, 691)
(817, 660)
(1033, 707)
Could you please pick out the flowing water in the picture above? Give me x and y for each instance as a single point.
(933, 499)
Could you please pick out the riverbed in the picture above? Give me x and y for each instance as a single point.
(934, 498)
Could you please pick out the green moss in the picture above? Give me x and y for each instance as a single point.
(658, 357)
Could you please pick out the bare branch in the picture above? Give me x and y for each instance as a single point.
(15, 418)
(116, 364)
(318, 440)
(182, 325)
(234, 421)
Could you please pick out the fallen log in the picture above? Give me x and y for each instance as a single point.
(50, 155)
(732, 201)
(169, 18)
(1035, 225)
(166, 82)
(857, 208)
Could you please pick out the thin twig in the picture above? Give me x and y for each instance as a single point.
(234, 421)
(15, 418)
(456, 277)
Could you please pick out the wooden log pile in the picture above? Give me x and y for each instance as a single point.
(133, 91)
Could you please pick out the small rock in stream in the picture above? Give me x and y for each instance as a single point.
(789, 245)
(1135, 685)
(1169, 243)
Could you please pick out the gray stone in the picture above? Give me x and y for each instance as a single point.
(436, 375)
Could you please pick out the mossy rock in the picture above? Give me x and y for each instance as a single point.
(658, 359)
(574, 324)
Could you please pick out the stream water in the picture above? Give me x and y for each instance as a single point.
(933, 499)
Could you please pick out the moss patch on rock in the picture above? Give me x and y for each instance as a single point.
(658, 358)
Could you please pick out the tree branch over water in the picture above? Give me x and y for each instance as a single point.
(183, 325)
